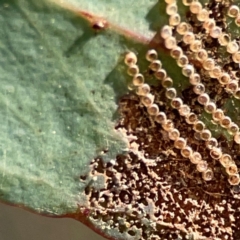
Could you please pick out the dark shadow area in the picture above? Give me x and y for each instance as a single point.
(157, 16)
(81, 24)
(88, 33)
(78, 44)
(120, 87)
(119, 72)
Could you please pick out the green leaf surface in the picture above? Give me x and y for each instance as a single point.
(60, 84)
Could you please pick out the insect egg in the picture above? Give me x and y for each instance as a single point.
(170, 1)
(215, 32)
(205, 134)
(188, 37)
(210, 107)
(232, 47)
(167, 82)
(199, 89)
(236, 57)
(215, 72)
(202, 166)
(180, 143)
(195, 79)
(198, 126)
(195, 45)
(202, 55)
(231, 169)
(224, 78)
(130, 59)
(237, 137)
(216, 153)
(143, 89)
(234, 179)
(155, 65)
(182, 60)
(233, 128)
(208, 174)
(153, 109)
(195, 157)
(174, 19)
(195, 7)
(168, 125)
(138, 79)
(237, 20)
(233, 11)
(170, 42)
(182, 28)
(225, 159)
(147, 100)
(187, 70)
(176, 103)
(171, 93)
(187, 2)
(224, 39)
(173, 134)
(171, 9)
(184, 110)
(133, 70)
(218, 115)
(203, 15)
(211, 143)
(203, 99)
(160, 118)
(237, 93)
(209, 24)
(176, 52)
(186, 152)
(197, 136)
(208, 64)
(151, 55)
(160, 74)
(191, 118)
(232, 86)
(166, 32)
(225, 122)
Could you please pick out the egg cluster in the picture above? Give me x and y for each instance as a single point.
(194, 49)
(234, 12)
(180, 179)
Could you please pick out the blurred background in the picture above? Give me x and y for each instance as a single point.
(19, 224)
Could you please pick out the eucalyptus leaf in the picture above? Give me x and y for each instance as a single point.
(62, 75)
(60, 82)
